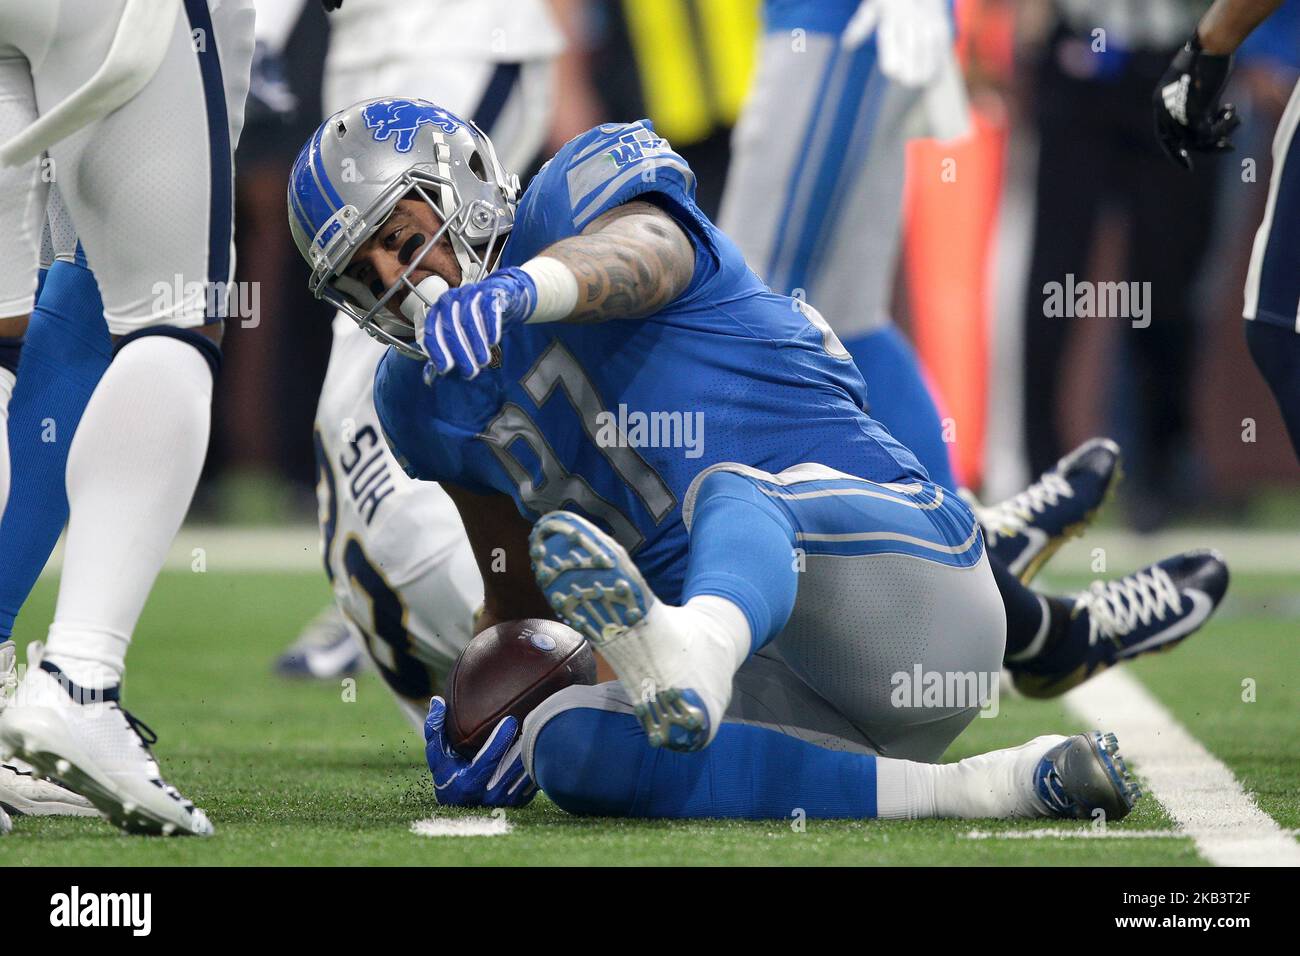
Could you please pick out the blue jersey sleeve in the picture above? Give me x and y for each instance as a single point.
(603, 168)
(429, 438)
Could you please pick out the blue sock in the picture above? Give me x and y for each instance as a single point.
(899, 399)
(598, 762)
(66, 352)
(742, 548)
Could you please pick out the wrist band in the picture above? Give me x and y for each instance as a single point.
(557, 289)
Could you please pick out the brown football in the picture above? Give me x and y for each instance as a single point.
(508, 670)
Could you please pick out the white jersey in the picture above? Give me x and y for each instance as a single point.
(370, 33)
(394, 548)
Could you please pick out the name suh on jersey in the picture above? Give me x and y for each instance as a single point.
(365, 471)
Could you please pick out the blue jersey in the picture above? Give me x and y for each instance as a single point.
(614, 419)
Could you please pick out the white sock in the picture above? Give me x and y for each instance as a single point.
(7, 379)
(132, 470)
(995, 785)
(904, 789)
(725, 623)
(713, 641)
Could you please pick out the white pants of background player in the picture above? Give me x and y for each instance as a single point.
(148, 187)
(823, 141)
(401, 568)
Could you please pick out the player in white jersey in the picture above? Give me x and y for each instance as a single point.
(134, 108)
(395, 549)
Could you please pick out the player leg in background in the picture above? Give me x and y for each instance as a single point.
(66, 352)
(68, 348)
(12, 331)
(1056, 642)
(1276, 352)
(1272, 308)
(900, 399)
(33, 505)
(135, 459)
(23, 190)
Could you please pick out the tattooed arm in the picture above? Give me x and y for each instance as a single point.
(630, 262)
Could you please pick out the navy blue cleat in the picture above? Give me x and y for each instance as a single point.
(1084, 776)
(593, 585)
(325, 650)
(1026, 530)
(1150, 610)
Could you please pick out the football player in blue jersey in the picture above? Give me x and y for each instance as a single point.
(763, 590)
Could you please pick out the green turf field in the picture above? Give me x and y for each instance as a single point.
(300, 774)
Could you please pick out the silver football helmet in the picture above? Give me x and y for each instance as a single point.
(357, 166)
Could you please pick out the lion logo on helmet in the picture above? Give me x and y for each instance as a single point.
(399, 120)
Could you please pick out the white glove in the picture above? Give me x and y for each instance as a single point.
(914, 37)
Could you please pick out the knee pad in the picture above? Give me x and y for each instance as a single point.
(209, 349)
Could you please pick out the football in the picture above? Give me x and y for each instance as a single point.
(507, 670)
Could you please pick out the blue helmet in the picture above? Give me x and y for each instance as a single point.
(357, 166)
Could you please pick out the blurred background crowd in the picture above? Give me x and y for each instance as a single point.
(1060, 176)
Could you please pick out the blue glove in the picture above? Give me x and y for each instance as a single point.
(494, 778)
(464, 324)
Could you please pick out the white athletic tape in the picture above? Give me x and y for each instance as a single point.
(557, 289)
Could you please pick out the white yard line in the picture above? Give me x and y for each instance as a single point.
(1089, 833)
(1198, 791)
(496, 825)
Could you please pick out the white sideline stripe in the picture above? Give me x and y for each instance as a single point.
(1205, 800)
(292, 548)
(297, 548)
(1087, 833)
(1257, 552)
(461, 826)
